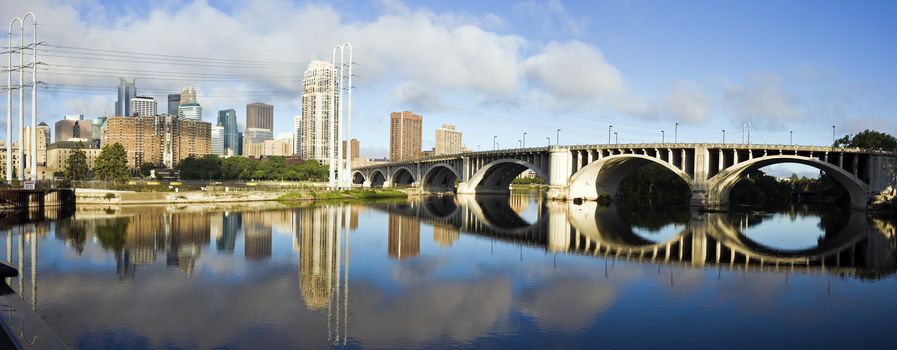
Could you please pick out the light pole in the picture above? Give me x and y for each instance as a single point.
(9, 102)
(724, 136)
(791, 138)
(494, 143)
(662, 137)
(557, 137)
(523, 144)
(676, 134)
(833, 136)
(33, 130)
(609, 127)
(548, 139)
(616, 138)
(520, 143)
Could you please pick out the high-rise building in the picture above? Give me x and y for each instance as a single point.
(356, 148)
(253, 141)
(218, 140)
(126, 91)
(228, 119)
(404, 135)
(297, 120)
(174, 101)
(143, 106)
(190, 111)
(162, 140)
(188, 95)
(73, 129)
(448, 140)
(318, 96)
(260, 115)
(97, 130)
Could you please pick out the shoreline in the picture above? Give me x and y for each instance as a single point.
(105, 198)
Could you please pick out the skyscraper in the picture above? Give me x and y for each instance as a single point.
(228, 119)
(260, 115)
(448, 140)
(218, 140)
(188, 95)
(190, 111)
(174, 101)
(356, 148)
(143, 106)
(404, 135)
(126, 91)
(318, 96)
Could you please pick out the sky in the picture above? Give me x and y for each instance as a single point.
(496, 68)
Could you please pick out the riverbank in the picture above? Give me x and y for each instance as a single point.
(102, 197)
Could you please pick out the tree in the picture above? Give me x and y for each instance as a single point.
(76, 167)
(112, 163)
(868, 139)
(146, 168)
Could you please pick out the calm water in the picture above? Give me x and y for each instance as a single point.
(459, 272)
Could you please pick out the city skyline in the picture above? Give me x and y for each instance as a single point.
(645, 70)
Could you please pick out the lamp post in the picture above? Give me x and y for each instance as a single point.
(724, 136)
(676, 134)
(494, 143)
(616, 138)
(548, 139)
(557, 137)
(661, 137)
(519, 144)
(523, 144)
(791, 137)
(833, 136)
(609, 128)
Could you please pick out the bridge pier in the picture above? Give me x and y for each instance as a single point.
(560, 168)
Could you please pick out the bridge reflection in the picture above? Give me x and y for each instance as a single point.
(703, 238)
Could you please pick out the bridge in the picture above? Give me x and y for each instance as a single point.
(586, 172)
(705, 239)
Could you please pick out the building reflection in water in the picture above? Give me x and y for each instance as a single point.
(445, 235)
(257, 235)
(404, 236)
(324, 265)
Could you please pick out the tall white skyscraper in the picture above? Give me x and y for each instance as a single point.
(143, 106)
(315, 123)
(218, 140)
(297, 120)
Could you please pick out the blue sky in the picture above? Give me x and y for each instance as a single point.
(503, 68)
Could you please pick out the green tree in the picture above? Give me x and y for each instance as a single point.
(868, 139)
(112, 163)
(76, 168)
(146, 168)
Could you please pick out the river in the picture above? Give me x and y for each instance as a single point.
(467, 272)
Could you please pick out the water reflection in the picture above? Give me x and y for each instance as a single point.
(175, 271)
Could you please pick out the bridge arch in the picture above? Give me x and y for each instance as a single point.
(402, 177)
(440, 178)
(496, 176)
(605, 175)
(358, 178)
(721, 184)
(378, 178)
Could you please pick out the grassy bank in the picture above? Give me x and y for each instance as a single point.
(340, 195)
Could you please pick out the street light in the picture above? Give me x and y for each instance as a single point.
(791, 137)
(519, 143)
(557, 138)
(616, 138)
(662, 137)
(549, 141)
(494, 144)
(676, 134)
(724, 136)
(609, 127)
(523, 144)
(833, 136)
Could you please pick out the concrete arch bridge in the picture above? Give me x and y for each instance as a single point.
(587, 171)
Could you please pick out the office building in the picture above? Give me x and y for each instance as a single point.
(356, 148)
(58, 154)
(97, 130)
(190, 111)
(260, 116)
(43, 141)
(404, 135)
(126, 91)
(73, 127)
(228, 119)
(143, 106)
(315, 125)
(174, 101)
(218, 140)
(188, 95)
(448, 140)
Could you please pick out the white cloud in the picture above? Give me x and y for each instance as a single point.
(552, 16)
(686, 101)
(90, 107)
(762, 99)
